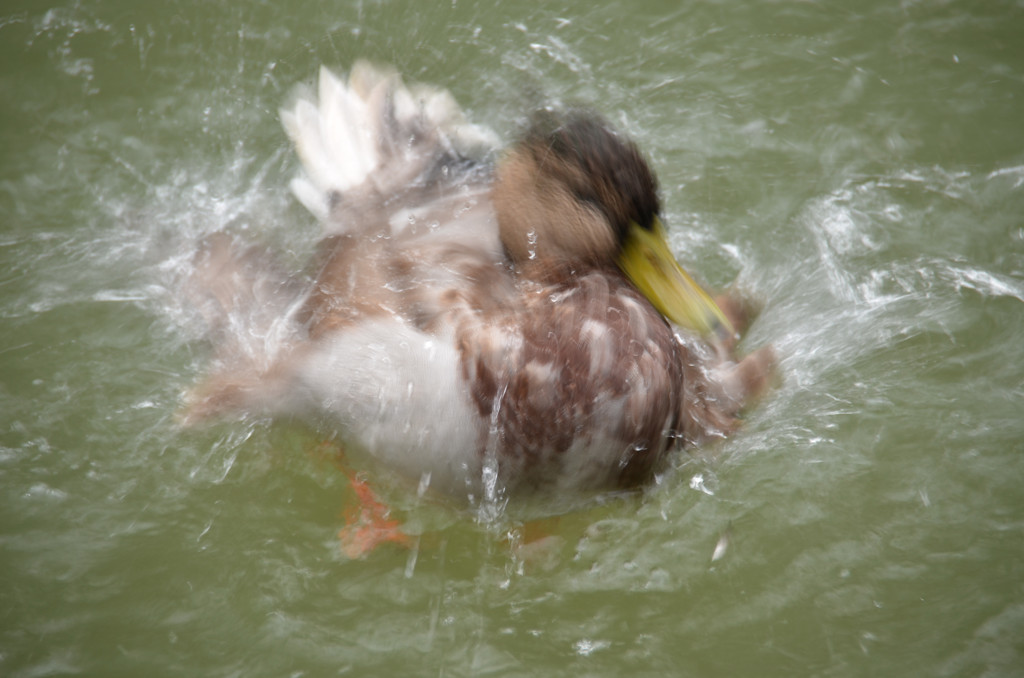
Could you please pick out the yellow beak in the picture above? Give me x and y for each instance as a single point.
(647, 260)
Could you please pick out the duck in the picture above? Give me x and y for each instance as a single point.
(482, 321)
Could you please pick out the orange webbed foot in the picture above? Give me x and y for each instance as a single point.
(536, 544)
(369, 523)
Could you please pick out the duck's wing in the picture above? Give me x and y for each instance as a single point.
(401, 182)
(374, 149)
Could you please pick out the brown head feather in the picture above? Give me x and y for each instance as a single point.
(568, 192)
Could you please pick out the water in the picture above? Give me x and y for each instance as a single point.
(859, 168)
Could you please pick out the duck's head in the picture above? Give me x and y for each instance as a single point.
(574, 195)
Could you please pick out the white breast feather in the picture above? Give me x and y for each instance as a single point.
(398, 393)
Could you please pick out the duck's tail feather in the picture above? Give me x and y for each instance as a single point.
(247, 302)
(373, 135)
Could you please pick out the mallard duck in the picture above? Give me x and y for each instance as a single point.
(475, 319)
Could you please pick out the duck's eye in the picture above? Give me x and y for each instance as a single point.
(587, 197)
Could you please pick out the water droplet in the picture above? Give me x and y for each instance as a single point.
(720, 548)
(586, 647)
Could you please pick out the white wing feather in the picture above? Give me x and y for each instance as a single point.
(351, 129)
